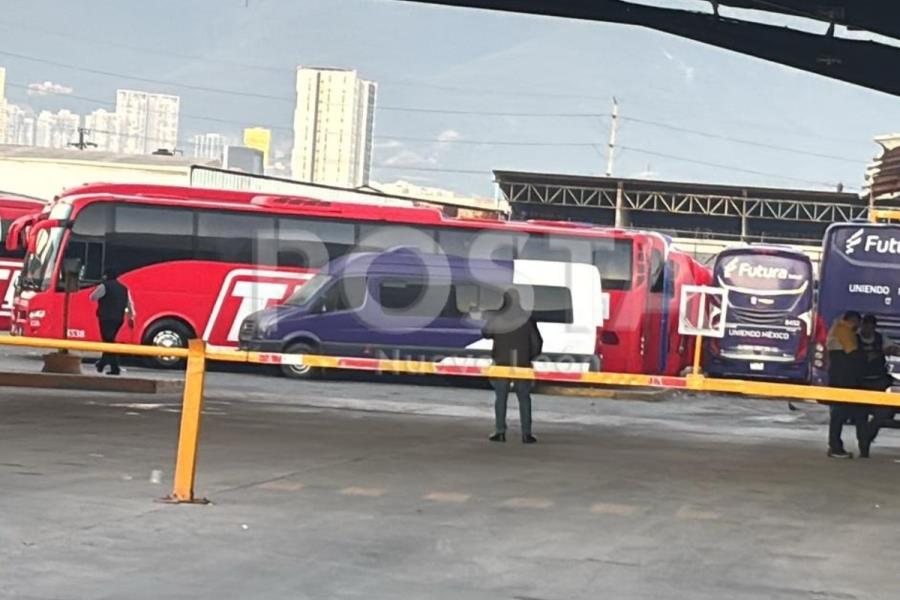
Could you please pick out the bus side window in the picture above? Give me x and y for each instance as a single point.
(374, 237)
(90, 253)
(237, 238)
(557, 248)
(614, 260)
(88, 241)
(657, 272)
(480, 244)
(310, 243)
(144, 236)
(4, 232)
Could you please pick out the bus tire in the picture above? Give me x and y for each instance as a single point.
(300, 371)
(168, 333)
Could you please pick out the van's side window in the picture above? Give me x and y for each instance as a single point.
(417, 299)
(346, 294)
(551, 304)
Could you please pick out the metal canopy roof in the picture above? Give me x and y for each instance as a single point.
(869, 64)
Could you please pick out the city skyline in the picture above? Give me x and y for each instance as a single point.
(448, 113)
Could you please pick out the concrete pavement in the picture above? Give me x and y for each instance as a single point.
(348, 489)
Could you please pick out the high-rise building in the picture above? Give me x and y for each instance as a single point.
(333, 125)
(56, 130)
(150, 121)
(19, 126)
(259, 138)
(106, 129)
(208, 145)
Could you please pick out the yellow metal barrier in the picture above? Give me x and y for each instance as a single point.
(189, 434)
(198, 353)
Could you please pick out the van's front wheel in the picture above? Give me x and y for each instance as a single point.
(299, 371)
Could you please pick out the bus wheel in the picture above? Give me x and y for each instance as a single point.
(167, 333)
(299, 371)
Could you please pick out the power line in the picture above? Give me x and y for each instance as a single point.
(488, 113)
(400, 138)
(737, 140)
(240, 93)
(145, 79)
(433, 169)
(289, 70)
(726, 167)
(110, 105)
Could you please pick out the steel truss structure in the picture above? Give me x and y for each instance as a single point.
(620, 197)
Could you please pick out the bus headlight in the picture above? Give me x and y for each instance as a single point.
(818, 363)
(37, 314)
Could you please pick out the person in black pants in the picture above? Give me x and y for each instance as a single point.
(517, 342)
(113, 306)
(875, 376)
(844, 364)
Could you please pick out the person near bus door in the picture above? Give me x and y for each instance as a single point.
(517, 342)
(844, 363)
(114, 304)
(874, 375)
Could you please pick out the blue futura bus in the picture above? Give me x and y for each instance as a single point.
(770, 321)
(860, 271)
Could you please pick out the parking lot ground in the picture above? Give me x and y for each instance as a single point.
(361, 490)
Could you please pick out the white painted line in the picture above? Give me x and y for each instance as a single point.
(448, 497)
(363, 491)
(619, 510)
(528, 503)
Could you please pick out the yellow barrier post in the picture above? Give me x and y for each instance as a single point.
(698, 351)
(189, 434)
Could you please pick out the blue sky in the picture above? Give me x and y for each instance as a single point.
(429, 57)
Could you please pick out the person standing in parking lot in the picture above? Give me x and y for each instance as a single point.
(875, 375)
(114, 304)
(517, 342)
(844, 369)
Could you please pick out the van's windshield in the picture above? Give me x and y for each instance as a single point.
(308, 291)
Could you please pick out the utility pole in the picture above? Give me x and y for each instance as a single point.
(611, 150)
(82, 144)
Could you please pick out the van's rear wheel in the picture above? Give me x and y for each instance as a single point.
(167, 333)
(300, 371)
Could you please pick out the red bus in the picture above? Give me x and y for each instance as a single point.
(198, 261)
(12, 208)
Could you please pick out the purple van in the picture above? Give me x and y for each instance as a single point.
(402, 304)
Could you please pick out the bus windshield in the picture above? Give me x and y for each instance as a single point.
(37, 271)
(769, 318)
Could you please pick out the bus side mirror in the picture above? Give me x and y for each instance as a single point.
(36, 229)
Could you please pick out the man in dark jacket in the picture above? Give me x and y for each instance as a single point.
(517, 342)
(113, 305)
(874, 375)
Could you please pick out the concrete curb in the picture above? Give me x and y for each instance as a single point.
(608, 392)
(129, 385)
